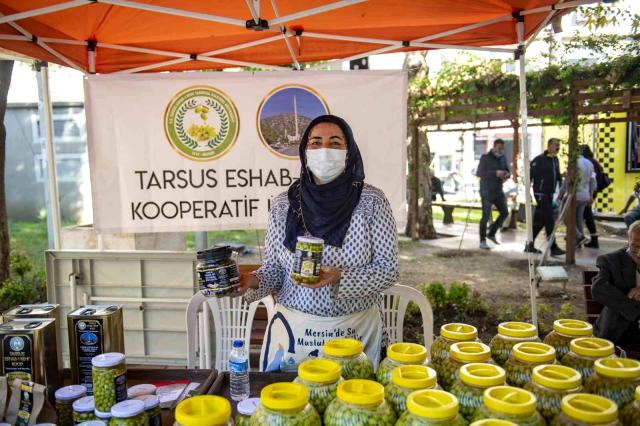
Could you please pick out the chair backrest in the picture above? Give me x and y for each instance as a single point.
(593, 308)
(394, 308)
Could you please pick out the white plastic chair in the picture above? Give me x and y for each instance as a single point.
(394, 307)
(232, 319)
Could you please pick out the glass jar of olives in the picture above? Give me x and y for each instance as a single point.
(246, 409)
(493, 422)
(109, 380)
(509, 403)
(83, 409)
(462, 353)
(128, 413)
(152, 408)
(431, 407)
(630, 413)
(307, 259)
(93, 423)
(321, 377)
(399, 354)
(204, 410)
(472, 381)
(450, 334)
(581, 409)
(551, 383)
(359, 402)
(105, 416)
(564, 331)
(524, 357)
(584, 351)
(509, 334)
(64, 403)
(407, 379)
(217, 272)
(285, 404)
(348, 353)
(615, 378)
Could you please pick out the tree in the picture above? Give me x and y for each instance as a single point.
(6, 67)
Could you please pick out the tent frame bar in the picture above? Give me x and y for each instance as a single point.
(43, 11)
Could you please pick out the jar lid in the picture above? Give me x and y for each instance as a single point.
(139, 390)
(593, 347)
(214, 253)
(91, 423)
(310, 240)
(407, 353)
(320, 371)
(573, 327)
(248, 406)
(623, 368)
(361, 392)
(592, 409)
(459, 331)
(70, 393)
(109, 359)
(128, 408)
(342, 347)
(509, 400)
(432, 404)
(493, 422)
(470, 352)
(150, 401)
(558, 377)
(414, 376)
(535, 352)
(482, 375)
(106, 415)
(284, 396)
(84, 404)
(203, 410)
(517, 329)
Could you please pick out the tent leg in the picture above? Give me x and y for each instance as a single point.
(201, 240)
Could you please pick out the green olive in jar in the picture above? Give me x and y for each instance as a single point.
(285, 404)
(581, 409)
(583, 353)
(551, 383)
(615, 378)
(508, 403)
(405, 380)
(431, 407)
(349, 354)
(321, 377)
(359, 402)
(524, 357)
(630, 413)
(564, 331)
(462, 353)
(450, 334)
(472, 381)
(510, 334)
(399, 354)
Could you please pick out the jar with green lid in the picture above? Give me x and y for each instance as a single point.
(152, 408)
(615, 378)
(83, 409)
(472, 381)
(630, 413)
(307, 259)
(431, 407)
(285, 404)
(509, 403)
(584, 351)
(462, 353)
(524, 357)
(349, 354)
(450, 334)
(246, 408)
(564, 331)
(551, 383)
(321, 377)
(581, 409)
(493, 422)
(359, 402)
(399, 354)
(129, 413)
(405, 380)
(203, 410)
(509, 334)
(109, 374)
(64, 402)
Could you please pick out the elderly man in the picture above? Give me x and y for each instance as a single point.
(617, 287)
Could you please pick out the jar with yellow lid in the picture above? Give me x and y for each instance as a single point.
(399, 354)
(581, 409)
(431, 407)
(359, 402)
(472, 381)
(349, 354)
(615, 378)
(524, 357)
(551, 383)
(450, 334)
(564, 331)
(493, 422)
(204, 410)
(509, 403)
(584, 351)
(462, 353)
(509, 334)
(630, 413)
(285, 404)
(321, 377)
(407, 379)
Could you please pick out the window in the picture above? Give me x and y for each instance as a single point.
(68, 127)
(69, 167)
(633, 146)
(444, 163)
(479, 147)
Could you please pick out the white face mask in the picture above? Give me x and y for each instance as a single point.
(326, 164)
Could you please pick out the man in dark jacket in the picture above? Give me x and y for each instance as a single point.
(545, 178)
(617, 287)
(493, 172)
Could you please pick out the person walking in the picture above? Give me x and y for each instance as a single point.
(493, 172)
(586, 186)
(602, 182)
(545, 178)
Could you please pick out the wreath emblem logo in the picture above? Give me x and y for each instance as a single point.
(201, 123)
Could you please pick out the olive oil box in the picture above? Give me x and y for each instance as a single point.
(93, 330)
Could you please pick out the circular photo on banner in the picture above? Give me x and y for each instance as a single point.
(284, 115)
(201, 123)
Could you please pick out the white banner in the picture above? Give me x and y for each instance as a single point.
(209, 151)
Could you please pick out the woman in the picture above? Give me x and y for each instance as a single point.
(588, 211)
(330, 201)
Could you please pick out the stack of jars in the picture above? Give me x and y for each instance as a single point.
(584, 352)
(523, 359)
(510, 334)
(564, 331)
(460, 354)
(399, 354)
(349, 354)
(408, 379)
(450, 334)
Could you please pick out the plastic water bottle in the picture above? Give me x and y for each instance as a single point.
(239, 371)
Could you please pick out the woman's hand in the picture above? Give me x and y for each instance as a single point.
(247, 281)
(328, 275)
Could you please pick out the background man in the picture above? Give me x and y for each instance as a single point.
(493, 172)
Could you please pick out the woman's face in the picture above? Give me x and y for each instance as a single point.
(327, 135)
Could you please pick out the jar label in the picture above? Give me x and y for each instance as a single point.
(307, 263)
(238, 367)
(88, 345)
(26, 405)
(18, 357)
(120, 387)
(218, 280)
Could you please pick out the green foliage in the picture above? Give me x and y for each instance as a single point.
(436, 293)
(15, 293)
(24, 285)
(522, 313)
(566, 311)
(20, 264)
(459, 298)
